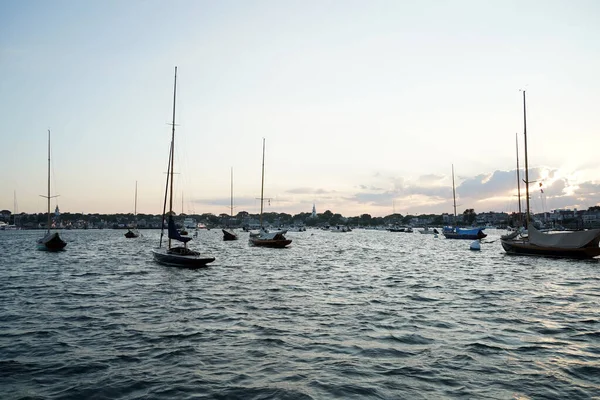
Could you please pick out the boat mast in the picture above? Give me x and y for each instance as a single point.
(172, 152)
(526, 162)
(518, 178)
(454, 195)
(232, 192)
(135, 202)
(262, 184)
(48, 197)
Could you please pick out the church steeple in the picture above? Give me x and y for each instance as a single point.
(314, 211)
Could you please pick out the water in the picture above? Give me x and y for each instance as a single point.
(359, 315)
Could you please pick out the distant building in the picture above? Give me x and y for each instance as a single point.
(314, 212)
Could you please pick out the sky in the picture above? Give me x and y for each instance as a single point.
(365, 106)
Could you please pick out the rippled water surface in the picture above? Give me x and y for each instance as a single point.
(363, 315)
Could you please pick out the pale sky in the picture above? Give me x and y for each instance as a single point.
(365, 105)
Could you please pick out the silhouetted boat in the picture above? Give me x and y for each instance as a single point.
(133, 233)
(454, 232)
(51, 241)
(228, 234)
(264, 238)
(179, 256)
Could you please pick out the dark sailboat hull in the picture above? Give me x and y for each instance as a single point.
(181, 257)
(522, 247)
(51, 242)
(228, 235)
(454, 235)
(131, 234)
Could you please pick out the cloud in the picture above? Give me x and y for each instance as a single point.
(589, 189)
(430, 179)
(488, 185)
(371, 188)
(226, 202)
(306, 190)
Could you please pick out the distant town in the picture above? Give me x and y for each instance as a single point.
(570, 219)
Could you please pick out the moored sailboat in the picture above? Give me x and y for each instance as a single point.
(454, 232)
(264, 238)
(573, 244)
(178, 256)
(52, 240)
(133, 233)
(229, 234)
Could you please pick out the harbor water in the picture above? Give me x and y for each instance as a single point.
(358, 315)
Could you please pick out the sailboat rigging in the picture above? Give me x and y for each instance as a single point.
(51, 241)
(229, 234)
(131, 234)
(179, 256)
(576, 244)
(265, 238)
(455, 232)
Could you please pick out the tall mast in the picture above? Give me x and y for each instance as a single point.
(518, 177)
(232, 192)
(14, 207)
(454, 195)
(49, 220)
(527, 216)
(135, 203)
(172, 151)
(262, 184)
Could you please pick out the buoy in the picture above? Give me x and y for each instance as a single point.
(475, 245)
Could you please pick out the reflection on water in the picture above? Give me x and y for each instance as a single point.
(364, 314)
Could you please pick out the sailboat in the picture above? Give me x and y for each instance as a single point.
(454, 232)
(263, 237)
(229, 234)
(131, 234)
(178, 256)
(574, 244)
(51, 241)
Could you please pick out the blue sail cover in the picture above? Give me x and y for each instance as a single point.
(174, 233)
(471, 231)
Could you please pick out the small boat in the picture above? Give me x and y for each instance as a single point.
(427, 231)
(275, 239)
(133, 233)
(463, 233)
(566, 244)
(228, 234)
(264, 238)
(51, 241)
(177, 256)
(396, 229)
(454, 232)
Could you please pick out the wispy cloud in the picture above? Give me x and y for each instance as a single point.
(307, 190)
